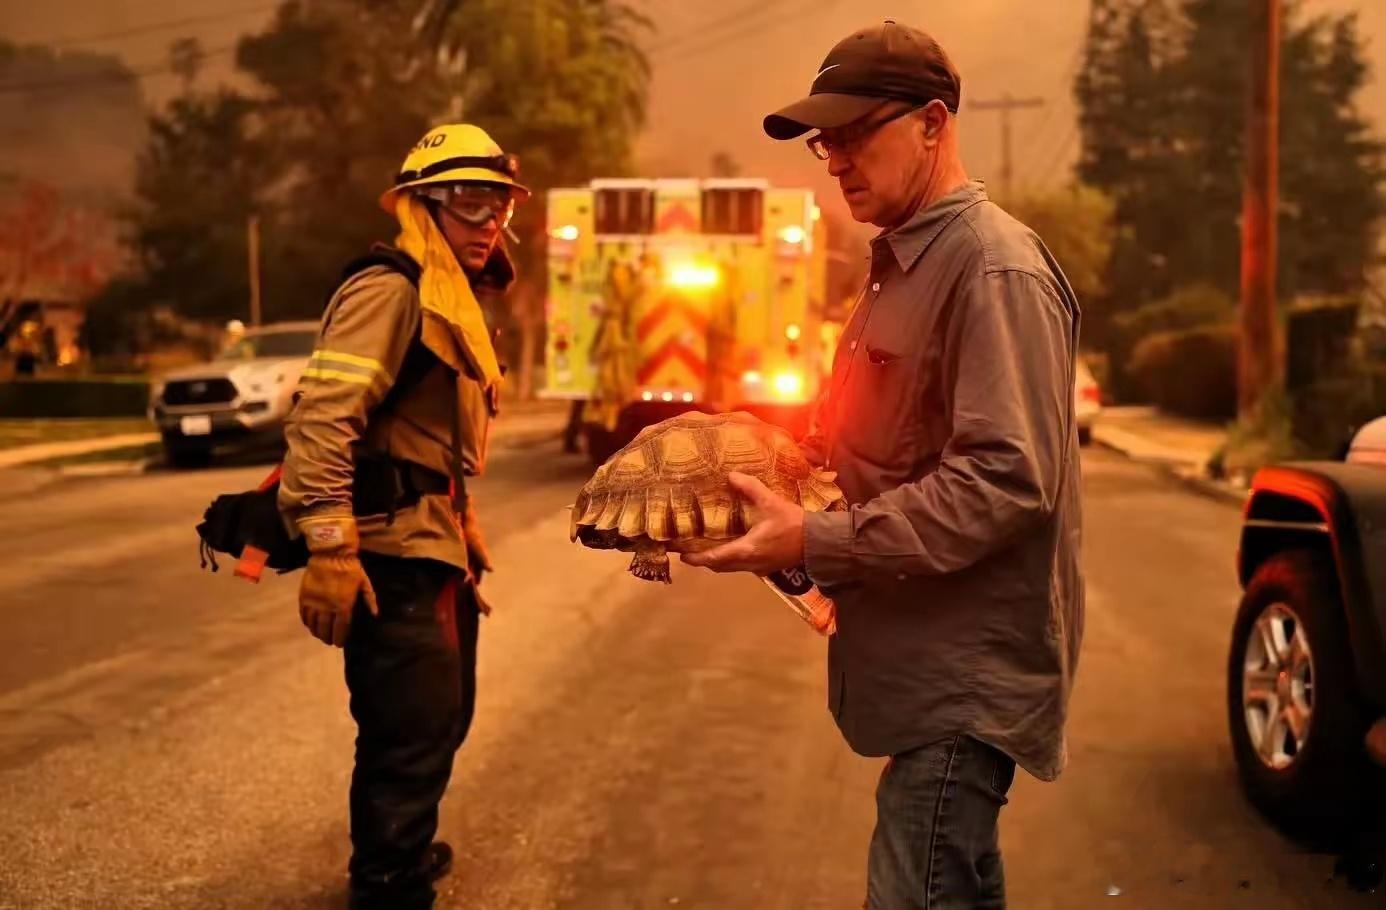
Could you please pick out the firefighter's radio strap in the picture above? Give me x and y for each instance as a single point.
(248, 526)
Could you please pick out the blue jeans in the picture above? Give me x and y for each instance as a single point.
(935, 845)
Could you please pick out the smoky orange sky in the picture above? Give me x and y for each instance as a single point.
(721, 65)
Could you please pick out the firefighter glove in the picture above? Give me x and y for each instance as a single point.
(333, 580)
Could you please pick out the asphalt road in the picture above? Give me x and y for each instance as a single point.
(171, 738)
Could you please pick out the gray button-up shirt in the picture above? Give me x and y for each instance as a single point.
(949, 420)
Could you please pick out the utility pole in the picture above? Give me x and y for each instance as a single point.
(1259, 360)
(252, 237)
(1004, 106)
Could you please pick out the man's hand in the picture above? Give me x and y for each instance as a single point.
(775, 541)
(333, 579)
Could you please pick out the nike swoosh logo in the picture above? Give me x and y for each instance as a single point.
(824, 70)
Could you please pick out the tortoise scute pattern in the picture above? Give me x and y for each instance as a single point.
(668, 489)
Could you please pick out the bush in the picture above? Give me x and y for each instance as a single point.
(108, 397)
(1319, 341)
(1190, 307)
(1263, 437)
(1327, 413)
(1187, 308)
(1192, 372)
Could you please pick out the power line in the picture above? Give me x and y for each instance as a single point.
(1055, 159)
(749, 28)
(1051, 152)
(713, 25)
(152, 27)
(105, 78)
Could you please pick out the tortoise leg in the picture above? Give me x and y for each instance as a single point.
(651, 562)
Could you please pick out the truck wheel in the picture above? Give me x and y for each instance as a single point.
(181, 454)
(601, 444)
(1296, 719)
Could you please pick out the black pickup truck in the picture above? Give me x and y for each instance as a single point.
(1306, 676)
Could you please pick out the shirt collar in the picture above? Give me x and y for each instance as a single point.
(911, 239)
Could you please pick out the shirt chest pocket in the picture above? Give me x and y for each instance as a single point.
(882, 421)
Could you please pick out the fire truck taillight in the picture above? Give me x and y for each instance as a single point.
(793, 332)
(751, 377)
(566, 232)
(792, 234)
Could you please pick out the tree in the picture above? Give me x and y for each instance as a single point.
(1076, 225)
(563, 82)
(1162, 98)
(341, 89)
(724, 165)
(198, 180)
(185, 58)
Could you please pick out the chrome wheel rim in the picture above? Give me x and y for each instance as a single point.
(1278, 686)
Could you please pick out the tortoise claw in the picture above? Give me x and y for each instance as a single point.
(651, 566)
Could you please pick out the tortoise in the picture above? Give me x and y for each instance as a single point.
(667, 490)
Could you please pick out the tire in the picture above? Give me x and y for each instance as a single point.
(1313, 787)
(601, 444)
(185, 455)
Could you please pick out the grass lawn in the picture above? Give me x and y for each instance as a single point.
(14, 433)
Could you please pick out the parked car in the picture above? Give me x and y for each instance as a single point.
(1087, 401)
(239, 399)
(1306, 673)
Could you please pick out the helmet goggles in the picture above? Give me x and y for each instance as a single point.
(473, 203)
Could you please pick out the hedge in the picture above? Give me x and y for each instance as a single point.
(106, 397)
(1192, 372)
(1327, 413)
(1319, 341)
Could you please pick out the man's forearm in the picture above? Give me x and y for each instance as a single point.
(946, 522)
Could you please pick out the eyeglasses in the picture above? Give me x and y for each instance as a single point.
(474, 203)
(849, 138)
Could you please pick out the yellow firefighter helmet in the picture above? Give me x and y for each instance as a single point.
(455, 153)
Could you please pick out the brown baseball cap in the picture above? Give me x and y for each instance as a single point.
(883, 63)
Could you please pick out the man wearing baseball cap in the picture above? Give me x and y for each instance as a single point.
(949, 421)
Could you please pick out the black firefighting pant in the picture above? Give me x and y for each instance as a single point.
(412, 676)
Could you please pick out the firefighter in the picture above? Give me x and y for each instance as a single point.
(392, 416)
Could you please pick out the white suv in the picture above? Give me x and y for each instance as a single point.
(240, 398)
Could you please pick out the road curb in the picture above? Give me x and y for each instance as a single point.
(37, 455)
(1213, 489)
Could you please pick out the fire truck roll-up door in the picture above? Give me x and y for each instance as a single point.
(574, 295)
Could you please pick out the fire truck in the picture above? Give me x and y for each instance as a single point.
(672, 295)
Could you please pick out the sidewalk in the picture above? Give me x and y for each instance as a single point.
(47, 451)
(1147, 435)
(1180, 446)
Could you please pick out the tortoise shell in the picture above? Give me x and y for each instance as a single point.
(668, 489)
